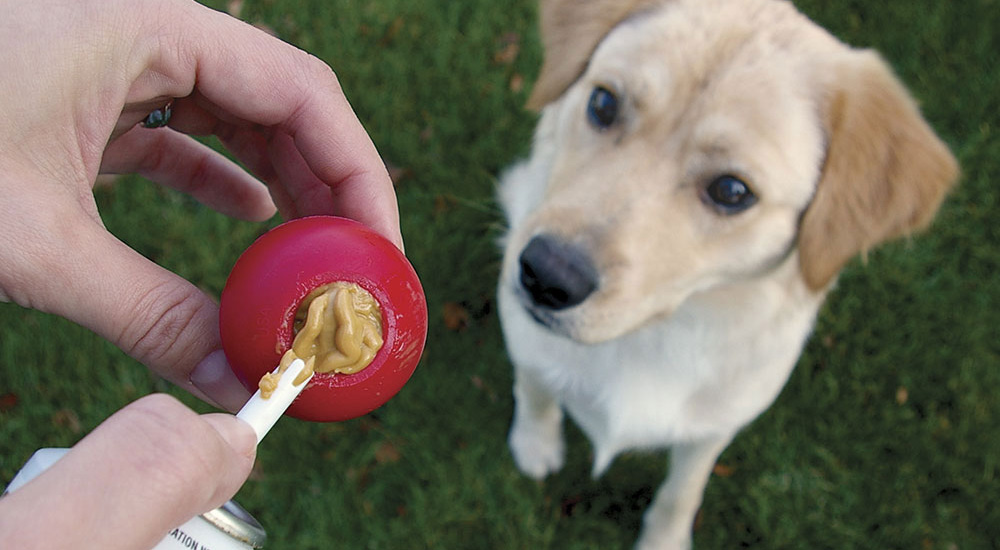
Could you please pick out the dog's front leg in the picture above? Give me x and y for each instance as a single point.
(536, 438)
(668, 521)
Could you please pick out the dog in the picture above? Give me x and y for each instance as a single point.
(700, 172)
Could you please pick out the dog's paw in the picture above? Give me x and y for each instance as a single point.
(664, 530)
(538, 448)
(648, 541)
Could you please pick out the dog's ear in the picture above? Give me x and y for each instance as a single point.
(571, 30)
(885, 174)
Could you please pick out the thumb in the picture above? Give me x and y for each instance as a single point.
(182, 463)
(147, 469)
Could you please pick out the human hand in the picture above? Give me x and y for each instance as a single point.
(147, 469)
(78, 76)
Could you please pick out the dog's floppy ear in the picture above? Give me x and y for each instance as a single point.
(885, 174)
(571, 30)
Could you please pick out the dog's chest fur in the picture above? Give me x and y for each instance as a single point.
(718, 361)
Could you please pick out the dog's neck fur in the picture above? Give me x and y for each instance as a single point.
(695, 361)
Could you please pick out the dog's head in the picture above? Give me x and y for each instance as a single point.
(690, 144)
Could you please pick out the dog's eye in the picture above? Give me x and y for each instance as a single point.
(602, 109)
(730, 194)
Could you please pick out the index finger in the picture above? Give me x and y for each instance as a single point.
(249, 76)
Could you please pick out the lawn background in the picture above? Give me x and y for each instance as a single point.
(887, 435)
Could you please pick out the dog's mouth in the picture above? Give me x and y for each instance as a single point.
(540, 318)
(558, 323)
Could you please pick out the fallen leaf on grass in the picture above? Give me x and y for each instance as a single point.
(443, 204)
(481, 385)
(66, 418)
(456, 317)
(510, 47)
(234, 8)
(507, 54)
(360, 476)
(721, 470)
(426, 134)
(387, 453)
(569, 504)
(8, 401)
(516, 83)
(392, 31)
(397, 173)
(369, 423)
(902, 395)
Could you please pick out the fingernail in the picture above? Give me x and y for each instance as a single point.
(216, 380)
(236, 432)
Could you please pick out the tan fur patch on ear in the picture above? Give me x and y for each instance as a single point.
(571, 30)
(886, 172)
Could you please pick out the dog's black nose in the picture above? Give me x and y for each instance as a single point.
(556, 275)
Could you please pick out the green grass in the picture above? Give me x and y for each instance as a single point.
(887, 435)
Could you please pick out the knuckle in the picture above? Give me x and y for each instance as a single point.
(319, 68)
(166, 320)
(318, 75)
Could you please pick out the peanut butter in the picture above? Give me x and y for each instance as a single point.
(338, 329)
(269, 382)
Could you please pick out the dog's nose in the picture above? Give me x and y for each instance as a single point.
(556, 275)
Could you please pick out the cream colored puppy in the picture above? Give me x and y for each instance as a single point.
(701, 171)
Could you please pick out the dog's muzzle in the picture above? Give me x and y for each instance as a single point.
(556, 275)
